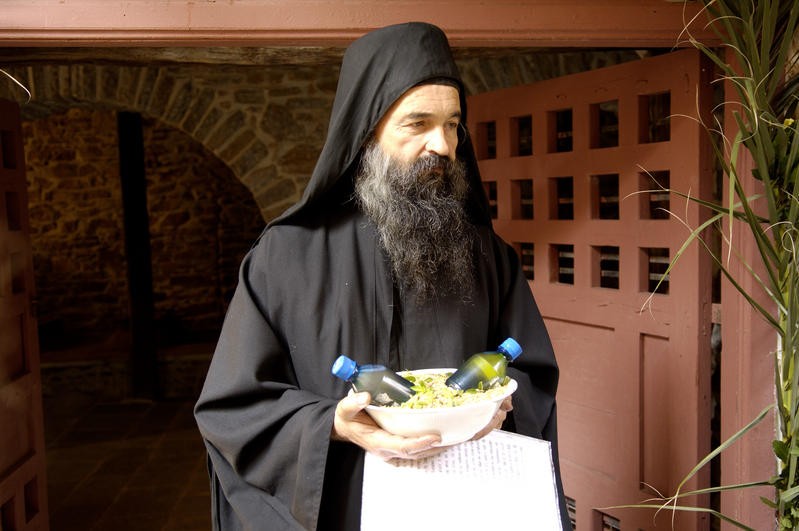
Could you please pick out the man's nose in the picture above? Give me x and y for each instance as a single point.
(436, 142)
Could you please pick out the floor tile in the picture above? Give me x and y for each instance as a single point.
(124, 466)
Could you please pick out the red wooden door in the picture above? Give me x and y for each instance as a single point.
(23, 484)
(562, 161)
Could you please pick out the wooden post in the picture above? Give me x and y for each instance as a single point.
(143, 355)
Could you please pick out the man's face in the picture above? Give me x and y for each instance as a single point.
(424, 121)
(419, 211)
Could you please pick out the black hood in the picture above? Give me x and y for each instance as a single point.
(376, 70)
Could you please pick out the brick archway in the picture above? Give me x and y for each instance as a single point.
(246, 127)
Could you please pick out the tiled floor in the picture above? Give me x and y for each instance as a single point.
(124, 465)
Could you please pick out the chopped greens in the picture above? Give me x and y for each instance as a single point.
(432, 391)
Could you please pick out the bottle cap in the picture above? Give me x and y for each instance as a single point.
(511, 347)
(344, 367)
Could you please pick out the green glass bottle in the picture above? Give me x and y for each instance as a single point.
(485, 369)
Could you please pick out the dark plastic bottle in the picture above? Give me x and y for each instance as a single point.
(486, 368)
(383, 384)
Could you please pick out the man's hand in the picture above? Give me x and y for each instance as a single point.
(496, 422)
(353, 424)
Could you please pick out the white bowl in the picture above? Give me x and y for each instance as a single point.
(454, 424)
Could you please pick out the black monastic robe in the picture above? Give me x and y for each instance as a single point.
(317, 284)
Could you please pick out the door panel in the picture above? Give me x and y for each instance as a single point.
(23, 484)
(564, 163)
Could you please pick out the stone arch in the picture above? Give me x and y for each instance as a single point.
(264, 123)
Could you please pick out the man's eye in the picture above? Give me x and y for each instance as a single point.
(452, 126)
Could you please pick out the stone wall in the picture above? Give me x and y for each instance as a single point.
(266, 124)
(202, 221)
(75, 212)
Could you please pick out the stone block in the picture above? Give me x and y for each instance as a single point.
(254, 155)
(284, 92)
(209, 121)
(127, 85)
(88, 90)
(278, 122)
(237, 145)
(146, 84)
(179, 105)
(197, 108)
(249, 96)
(108, 83)
(48, 77)
(299, 159)
(162, 93)
(231, 126)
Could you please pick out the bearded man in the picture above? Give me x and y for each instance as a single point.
(390, 258)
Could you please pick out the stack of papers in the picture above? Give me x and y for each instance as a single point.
(503, 481)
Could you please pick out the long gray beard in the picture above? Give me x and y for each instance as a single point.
(419, 213)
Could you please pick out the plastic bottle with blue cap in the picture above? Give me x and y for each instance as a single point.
(485, 369)
(385, 386)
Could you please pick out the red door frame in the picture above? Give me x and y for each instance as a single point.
(543, 23)
(23, 479)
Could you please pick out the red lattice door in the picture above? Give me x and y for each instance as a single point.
(562, 161)
(23, 484)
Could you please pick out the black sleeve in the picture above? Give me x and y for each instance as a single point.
(267, 439)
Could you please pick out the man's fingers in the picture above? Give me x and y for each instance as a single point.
(396, 447)
(416, 445)
(417, 455)
(353, 424)
(349, 406)
(507, 404)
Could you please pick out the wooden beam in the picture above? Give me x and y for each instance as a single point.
(143, 355)
(548, 23)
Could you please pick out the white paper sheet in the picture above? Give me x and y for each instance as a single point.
(504, 481)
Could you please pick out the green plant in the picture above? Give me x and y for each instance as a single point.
(758, 57)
